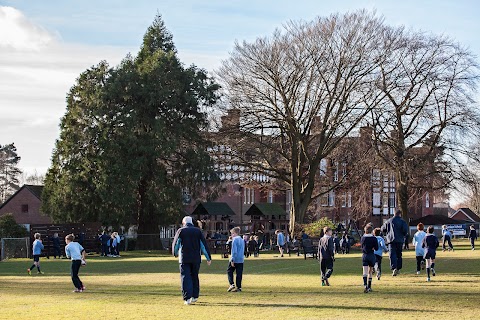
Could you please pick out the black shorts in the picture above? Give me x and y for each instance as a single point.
(369, 260)
(36, 258)
(430, 254)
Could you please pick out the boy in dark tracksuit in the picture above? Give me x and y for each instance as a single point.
(369, 245)
(326, 252)
(430, 244)
(472, 236)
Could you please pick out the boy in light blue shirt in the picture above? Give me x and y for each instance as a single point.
(236, 261)
(379, 252)
(280, 241)
(75, 252)
(447, 237)
(419, 250)
(37, 248)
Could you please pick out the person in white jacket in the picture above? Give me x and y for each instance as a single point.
(419, 251)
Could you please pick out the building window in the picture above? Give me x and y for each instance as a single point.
(391, 200)
(323, 167)
(349, 199)
(324, 199)
(186, 197)
(24, 208)
(331, 198)
(288, 201)
(344, 200)
(335, 171)
(427, 200)
(270, 196)
(248, 195)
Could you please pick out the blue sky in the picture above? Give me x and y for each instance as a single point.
(44, 45)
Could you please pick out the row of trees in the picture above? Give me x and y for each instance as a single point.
(134, 135)
(307, 87)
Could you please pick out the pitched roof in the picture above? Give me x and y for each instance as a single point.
(469, 213)
(435, 219)
(35, 190)
(262, 209)
(213, 209)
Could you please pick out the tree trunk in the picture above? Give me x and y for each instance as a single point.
(402, 193)
(147, 232)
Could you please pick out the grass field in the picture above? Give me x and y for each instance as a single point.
(147, 285)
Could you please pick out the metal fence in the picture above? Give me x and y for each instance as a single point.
(14, 248)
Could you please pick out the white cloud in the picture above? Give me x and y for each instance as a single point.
(17, 32)
(36, 72)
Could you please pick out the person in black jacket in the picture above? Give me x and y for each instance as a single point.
(188, 245)
(430, 244)
(326, 253)
(56, 246)
(103, 238)
(369, 245)
(395, 230)
(472, 236)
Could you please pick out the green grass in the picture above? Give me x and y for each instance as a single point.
(147, 286)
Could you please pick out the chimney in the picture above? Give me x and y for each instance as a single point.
(231, 121)
(366, 133)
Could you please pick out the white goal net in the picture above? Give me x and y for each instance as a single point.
(15, 248)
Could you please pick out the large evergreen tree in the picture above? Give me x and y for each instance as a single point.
(131, 139)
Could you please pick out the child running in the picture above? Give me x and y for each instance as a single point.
(379, 252)
(369, 244)
(75, 252)
(326, 252)
(236, 261)
(37, 248)
(430, 244)
(419, 250)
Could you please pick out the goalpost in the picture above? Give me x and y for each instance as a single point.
(15, 248)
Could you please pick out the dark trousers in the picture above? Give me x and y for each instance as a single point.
(190, 282)
(326, 268)
(472, 242)
(445, 240)
(104, 249)
(419, 262)
(378, 263)
(396, 255)
(74, 272)
(56, 252)
(238, 268)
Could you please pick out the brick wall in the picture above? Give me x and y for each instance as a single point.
(22, 198)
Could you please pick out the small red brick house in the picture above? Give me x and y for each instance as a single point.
(465, 214)
(25, 206)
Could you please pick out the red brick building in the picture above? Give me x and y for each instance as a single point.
(243, 190)
(25, 206)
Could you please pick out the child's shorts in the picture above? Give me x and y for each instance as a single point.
(369, 260)
(430, 254)
(36, 257)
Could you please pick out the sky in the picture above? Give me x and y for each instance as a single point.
(45, 45)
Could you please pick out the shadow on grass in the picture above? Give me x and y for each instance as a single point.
(301, 306)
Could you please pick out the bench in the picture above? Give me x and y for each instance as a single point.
(309, 248)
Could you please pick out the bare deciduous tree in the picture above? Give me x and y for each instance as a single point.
(300, 92)
(428, 111)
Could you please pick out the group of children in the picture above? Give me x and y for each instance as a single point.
(73, 251)
(110, 244)
(373, 246)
